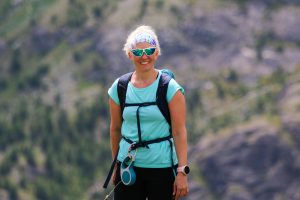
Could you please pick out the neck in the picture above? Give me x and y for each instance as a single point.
(144, 78)
(145, 75)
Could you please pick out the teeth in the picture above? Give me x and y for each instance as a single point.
(144, 63)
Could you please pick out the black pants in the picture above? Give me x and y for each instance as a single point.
(151, 183)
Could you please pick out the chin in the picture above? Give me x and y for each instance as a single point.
(147, 67)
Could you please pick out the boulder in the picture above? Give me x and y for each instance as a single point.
(249, 163)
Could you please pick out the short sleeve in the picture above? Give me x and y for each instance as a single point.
(172, 89)
(113, 92)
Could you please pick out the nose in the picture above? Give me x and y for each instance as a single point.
(144, 56)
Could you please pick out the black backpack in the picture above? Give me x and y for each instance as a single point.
(161, 92)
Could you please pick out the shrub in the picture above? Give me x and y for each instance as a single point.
(76, 15)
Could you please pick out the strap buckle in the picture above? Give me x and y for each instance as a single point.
(131, 148)
(136, 145)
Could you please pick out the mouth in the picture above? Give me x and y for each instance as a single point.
(144, 62)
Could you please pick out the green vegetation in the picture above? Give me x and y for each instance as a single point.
(76, 14)
(54, 123)
(230, 102)
(57, 156)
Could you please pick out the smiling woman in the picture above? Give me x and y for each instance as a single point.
(142, 34)
(147, 130)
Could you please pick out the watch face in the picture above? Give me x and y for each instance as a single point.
(186, 169)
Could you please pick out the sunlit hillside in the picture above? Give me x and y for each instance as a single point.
(238, 60)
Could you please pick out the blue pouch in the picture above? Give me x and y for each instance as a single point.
(128, 176)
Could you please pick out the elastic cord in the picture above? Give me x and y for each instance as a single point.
(107, 196)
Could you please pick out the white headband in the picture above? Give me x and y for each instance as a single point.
(144, 37)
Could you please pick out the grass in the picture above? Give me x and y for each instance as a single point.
(20, 17)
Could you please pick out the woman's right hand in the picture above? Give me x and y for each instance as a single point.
(114, 175)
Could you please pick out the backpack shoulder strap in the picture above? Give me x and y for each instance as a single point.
(161, 96)
(122, 88)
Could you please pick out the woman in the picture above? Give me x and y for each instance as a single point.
(153, 165)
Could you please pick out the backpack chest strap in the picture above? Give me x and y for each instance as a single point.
(144, 104)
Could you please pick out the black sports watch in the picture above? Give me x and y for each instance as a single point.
(184, 169)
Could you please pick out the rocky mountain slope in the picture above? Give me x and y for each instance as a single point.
(256, 160)
(237, 59)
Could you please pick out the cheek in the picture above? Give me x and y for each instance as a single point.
(154, 57)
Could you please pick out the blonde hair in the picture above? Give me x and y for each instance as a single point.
(132, 38)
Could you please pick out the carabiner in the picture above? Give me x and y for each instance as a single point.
(130, 155)
(132, 147)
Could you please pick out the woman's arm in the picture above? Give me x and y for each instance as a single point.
(115, 126)
(178, 115)
(177, 109)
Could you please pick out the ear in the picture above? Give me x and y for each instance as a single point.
(156, 54)
(130, 56)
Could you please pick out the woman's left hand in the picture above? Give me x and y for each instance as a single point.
(180, 187)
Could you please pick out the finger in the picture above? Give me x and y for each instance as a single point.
(184, 193)
(114, 179)
(178, 194)
(174, 189)
(187, 191)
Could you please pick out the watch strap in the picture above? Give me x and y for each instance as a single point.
(181, 169)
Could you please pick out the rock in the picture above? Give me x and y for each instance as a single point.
(286, 24)
(3, 46)
(197, 192)
(251, 163)
(4, 195)
(42, 41)
(288, 105)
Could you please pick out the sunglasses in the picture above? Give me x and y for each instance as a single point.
(147, 51)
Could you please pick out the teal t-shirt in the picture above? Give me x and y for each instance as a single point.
(153, 124)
